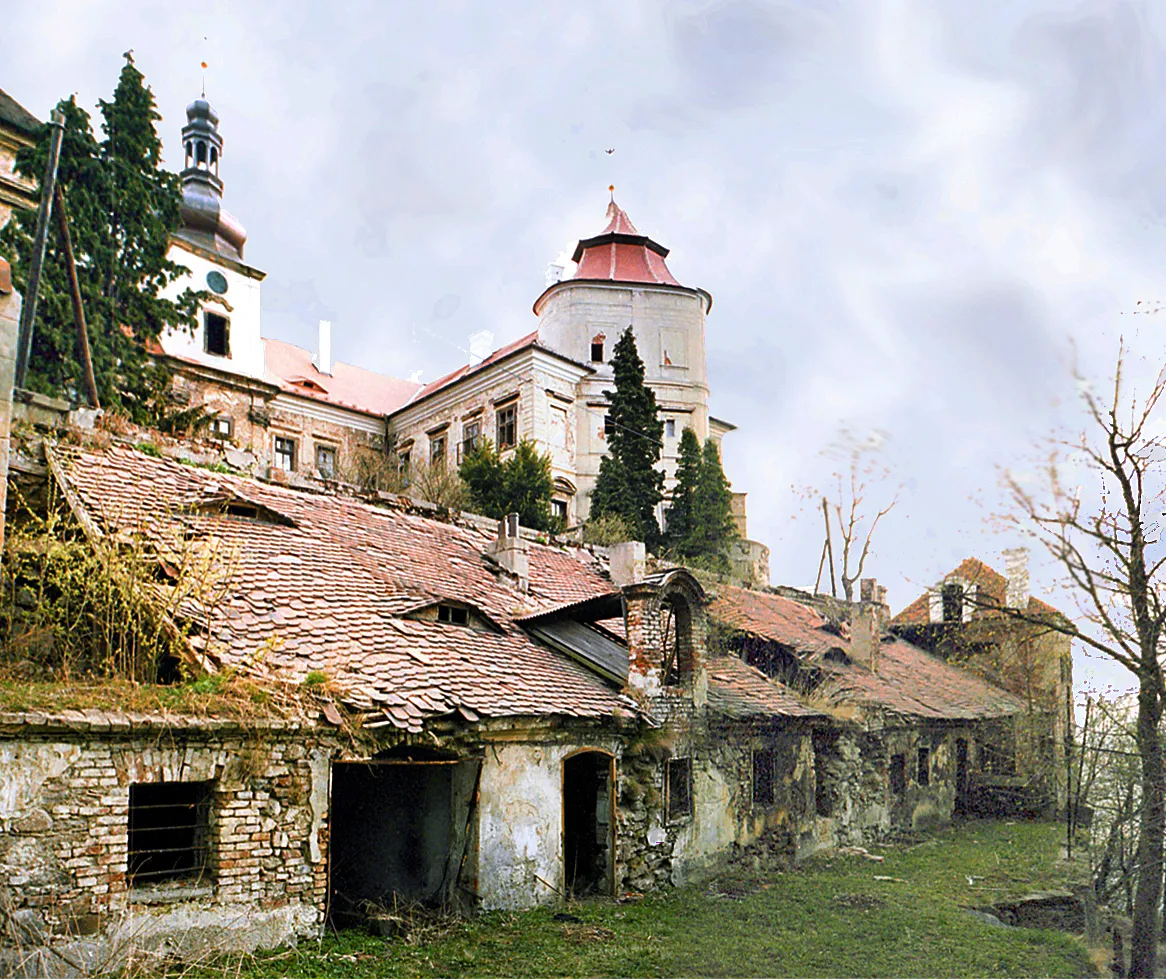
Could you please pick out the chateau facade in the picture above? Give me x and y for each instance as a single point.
(301, 415)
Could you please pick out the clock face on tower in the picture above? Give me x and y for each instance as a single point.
(217, 281)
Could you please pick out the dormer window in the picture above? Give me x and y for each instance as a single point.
(953, 602)
(453, 615)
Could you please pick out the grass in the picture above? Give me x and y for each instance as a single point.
(827, 918)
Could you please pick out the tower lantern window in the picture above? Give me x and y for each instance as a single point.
(200, 153)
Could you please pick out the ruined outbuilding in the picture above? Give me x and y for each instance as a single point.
(489, 719)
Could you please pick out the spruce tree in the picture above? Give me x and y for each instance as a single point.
(629, 484)
(521, 484)
(122, 207)
(712, 527)
(679, 514)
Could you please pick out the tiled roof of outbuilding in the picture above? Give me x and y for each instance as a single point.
(743, 691)
(993, 588)
(326, 588)
(907, 680)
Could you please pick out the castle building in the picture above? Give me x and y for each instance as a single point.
(301, 415)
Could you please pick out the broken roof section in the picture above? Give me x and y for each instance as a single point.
(326, 588)
(906, 680)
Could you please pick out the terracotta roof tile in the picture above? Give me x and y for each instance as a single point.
(360, 567)
(992, 584)
(291, 368)
(743, 691)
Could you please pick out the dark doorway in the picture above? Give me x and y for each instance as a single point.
(961, 776)
(397, 832)
(587, 823)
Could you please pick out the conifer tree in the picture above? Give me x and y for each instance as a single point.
(122, 206)
(521, 484)
(629, 484)
(712, 527)
(679, 514)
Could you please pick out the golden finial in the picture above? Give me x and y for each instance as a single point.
(611, 187)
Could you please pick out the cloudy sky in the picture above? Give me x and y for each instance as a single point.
(910, 213)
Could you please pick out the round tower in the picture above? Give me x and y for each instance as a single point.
(621, 279)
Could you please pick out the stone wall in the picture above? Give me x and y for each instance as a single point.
(66, 878)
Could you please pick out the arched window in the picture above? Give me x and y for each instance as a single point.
(189, 151)
(200, 153)
(215, 160)
(676, 640)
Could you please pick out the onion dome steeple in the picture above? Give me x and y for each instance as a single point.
(619, 253)
(204, 221)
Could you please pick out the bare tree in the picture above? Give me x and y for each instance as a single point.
(850, 509)
(1095, 509)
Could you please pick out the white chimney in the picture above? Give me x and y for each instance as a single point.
(1016, 571)
(510, 550)
(627, 562)
(481, 345)
(555, 273)
(323, 358)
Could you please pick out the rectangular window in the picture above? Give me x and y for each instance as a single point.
(898, 774)
(437, 451)
(608, 426)
(169, 832)
(679, 788)
(217, 335)
(923, 769)
(670, 428)
(222, 427)
(452, 615)
(507, 424)
(326, 461)
(763, 777)
(597, 351)
(471, 437)
(559, 510)
(285, 453)
(404, 464)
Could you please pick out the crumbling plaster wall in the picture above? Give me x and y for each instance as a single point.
(64, 811)
(520, 818)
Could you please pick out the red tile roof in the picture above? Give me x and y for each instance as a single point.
(993, 588)
(743, 691)
(291, 368)
(907, 680)
(619, 253)
(522, 343)
(326, 590)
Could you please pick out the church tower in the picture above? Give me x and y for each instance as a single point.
(621, 279)
(210, 243)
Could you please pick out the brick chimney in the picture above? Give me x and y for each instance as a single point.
(510, 550)
(9, 319)
(868, 621)
(1016, 571)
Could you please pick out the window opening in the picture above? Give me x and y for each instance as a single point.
(216, 335)
(676, 642)
(898, 774)
(437, 451)
(608, 426)
(453, 615)
(285, 454)
(404, 464)
(471, 437)
(923, 768)
(679, 788)
(559, 509)
(824, 748)
(764, 763)
(169, 831)
(670, 428)
(326, 461)
(222, 427)
(507, 423)
(597, 351)
(200, 152)
(953, 603)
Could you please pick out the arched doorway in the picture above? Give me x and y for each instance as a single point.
(588, 823)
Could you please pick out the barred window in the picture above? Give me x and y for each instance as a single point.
(169, 832)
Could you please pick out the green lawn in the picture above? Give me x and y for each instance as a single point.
(829, 917)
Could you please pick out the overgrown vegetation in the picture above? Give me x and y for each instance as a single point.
(829, 918)
(700, 519)
(123, 606)
(122, 207)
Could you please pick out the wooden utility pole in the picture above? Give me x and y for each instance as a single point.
(829, 547)
(75, 294)
(28, 313)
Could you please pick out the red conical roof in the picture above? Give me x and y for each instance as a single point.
(619, 253)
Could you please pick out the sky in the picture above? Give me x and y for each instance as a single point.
(915, 216)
